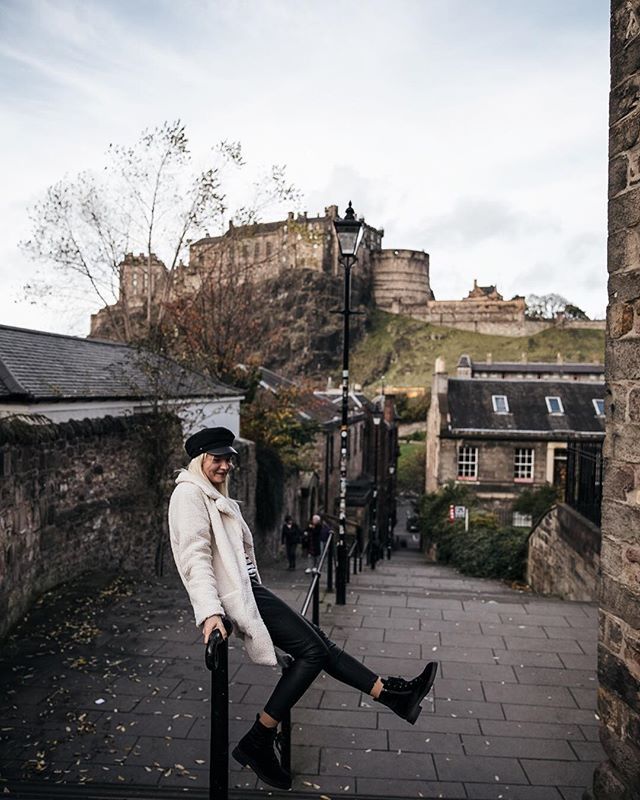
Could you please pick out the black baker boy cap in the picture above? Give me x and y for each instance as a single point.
(216, 441)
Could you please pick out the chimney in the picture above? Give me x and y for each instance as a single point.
(290, 216)
(489, 358)
(440, 377)
(524, 358)
(389, 409)
(559, 358)
(464, 368)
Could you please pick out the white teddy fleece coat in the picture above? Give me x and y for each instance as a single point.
(210, 541)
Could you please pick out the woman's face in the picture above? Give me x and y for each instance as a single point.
(216, 468)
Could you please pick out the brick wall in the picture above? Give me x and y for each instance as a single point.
(564, 555)
(619, 646)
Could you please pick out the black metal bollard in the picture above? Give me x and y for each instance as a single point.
(216, 659)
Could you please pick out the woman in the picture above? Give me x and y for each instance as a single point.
(213, 550)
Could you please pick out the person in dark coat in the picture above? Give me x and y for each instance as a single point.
(316, 535)
(291, 535)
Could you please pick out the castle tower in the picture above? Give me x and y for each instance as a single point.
(401, 282)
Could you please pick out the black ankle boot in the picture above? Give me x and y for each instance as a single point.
(404, 697)
(255, 750)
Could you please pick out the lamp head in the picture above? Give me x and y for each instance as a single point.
(349, 232)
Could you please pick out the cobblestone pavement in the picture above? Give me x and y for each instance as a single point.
(104, 683)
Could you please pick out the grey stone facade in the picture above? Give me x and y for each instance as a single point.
(619, 649)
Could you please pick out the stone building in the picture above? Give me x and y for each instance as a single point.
(501, 436)
(619, 647)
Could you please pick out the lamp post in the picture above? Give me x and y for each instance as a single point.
(373, 537)
(349, 232)
(390, 515)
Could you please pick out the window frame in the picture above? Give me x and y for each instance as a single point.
(467, 462)
(495, 398)
(548, 400)
(596, 401)
(522, 464)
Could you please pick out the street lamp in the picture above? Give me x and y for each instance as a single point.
(349, 232)
(373, 537)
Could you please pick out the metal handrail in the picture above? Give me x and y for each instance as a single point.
(314, 590)
(216, 658)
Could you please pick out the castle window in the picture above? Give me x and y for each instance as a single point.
(256, 250)
(523, 464)
(245, 251)
(598, 404)
(269, 248)
(467, 462)
(500, 403)
(554, 405)
(134, 282)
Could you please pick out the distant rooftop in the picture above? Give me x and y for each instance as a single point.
(472, 410)
(36, 365)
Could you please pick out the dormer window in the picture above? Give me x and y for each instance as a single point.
(598, 404)
(554, 405)
(500, 403)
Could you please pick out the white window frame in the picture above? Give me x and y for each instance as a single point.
(467, 465)
(495, 400)
(596, 401)
(524, 461)
(549, 400)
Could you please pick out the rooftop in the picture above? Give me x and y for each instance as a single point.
(36, 366)
(472, 408)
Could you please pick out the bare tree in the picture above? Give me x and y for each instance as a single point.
(150, 198)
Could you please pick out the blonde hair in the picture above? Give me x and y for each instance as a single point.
(195, 466)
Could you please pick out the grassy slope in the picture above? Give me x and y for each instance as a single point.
(404, 350)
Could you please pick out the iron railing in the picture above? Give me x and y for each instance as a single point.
(584, 479)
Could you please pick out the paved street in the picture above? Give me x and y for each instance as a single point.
(106, 685)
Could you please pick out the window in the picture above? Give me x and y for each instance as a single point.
(269, 249)
(554, 405)
(598, 404)
(467, 462)
(256, 250)
(500, 403)
(521, 520)
(523, 464)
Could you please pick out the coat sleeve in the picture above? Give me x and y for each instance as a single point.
(191, 542)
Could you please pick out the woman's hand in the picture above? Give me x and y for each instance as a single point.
(212, 624)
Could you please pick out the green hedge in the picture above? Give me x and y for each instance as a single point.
(486, 550)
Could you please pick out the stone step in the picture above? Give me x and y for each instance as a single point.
(43, 790)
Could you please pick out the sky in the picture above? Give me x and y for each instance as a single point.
(475, 131)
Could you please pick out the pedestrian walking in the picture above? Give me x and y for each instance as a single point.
(213, 549)
(315, 538)
(291, 536)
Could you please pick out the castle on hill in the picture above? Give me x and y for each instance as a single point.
(393, 280)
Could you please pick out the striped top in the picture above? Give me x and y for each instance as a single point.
(252, 570)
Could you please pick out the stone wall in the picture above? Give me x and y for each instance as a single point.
(82, 495)
(564, 555)
(79, 496)
(619, 647)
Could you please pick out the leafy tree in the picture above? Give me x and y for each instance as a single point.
(545, 306)
(274, 421)
(573, 312)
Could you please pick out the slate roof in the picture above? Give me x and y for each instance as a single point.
(36, 366)
(535, 367)
(470, 408)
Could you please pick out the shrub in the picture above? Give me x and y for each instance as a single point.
(486, 550)
(536, 502)
(411, 467)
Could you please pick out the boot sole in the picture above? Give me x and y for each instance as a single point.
(247, 761)
(415, 709)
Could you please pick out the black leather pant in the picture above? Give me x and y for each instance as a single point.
(312, 652)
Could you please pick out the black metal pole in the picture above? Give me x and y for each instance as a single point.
(216, 659)
(315, 613)
(341, 547)
(373, 549)
(330, 567)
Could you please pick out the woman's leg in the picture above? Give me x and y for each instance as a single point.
(295, 635)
